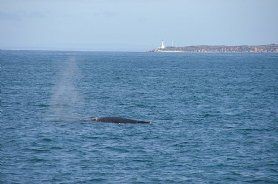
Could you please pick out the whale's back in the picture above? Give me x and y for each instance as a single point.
(119, 120)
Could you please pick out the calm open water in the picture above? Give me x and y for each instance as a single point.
(215, 117)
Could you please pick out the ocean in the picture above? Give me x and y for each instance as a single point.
(214, 117)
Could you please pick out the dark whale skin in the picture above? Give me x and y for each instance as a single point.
(118, 120)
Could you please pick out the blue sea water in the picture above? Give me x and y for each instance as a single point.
(214, 117)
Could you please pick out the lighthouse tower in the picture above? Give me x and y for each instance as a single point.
(162, 46)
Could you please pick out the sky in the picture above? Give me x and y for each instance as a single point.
(135, 25)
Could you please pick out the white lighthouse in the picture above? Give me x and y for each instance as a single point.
(162, 46)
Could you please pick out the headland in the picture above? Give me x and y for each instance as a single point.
(269, 48)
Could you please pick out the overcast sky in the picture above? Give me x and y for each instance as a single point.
(135, 25)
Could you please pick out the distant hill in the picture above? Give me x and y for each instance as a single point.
(271, 48)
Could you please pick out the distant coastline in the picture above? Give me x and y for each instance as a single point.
(269, 48)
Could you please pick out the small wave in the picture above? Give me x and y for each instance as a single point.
(46, 140)
(35, 160)
(42, 105)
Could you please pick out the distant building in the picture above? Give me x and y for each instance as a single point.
(162, 46)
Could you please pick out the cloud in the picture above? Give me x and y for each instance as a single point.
(9, 16)
(19, 15)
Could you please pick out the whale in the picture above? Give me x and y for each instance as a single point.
(118, 120)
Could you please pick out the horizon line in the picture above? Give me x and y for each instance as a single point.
(145, 50)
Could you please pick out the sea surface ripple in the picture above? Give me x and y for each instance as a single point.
(214, 117)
